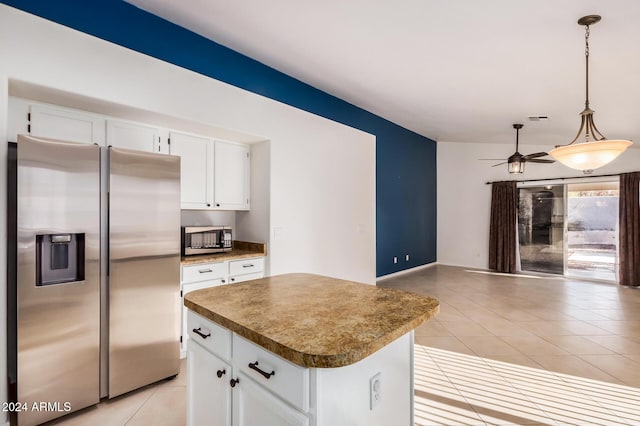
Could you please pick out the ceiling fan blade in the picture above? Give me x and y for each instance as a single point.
(535, 155)
(492, 159)
(499, 164)
(539, 160)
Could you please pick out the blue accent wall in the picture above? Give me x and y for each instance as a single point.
(405, 160)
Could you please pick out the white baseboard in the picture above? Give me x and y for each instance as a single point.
(405, 271)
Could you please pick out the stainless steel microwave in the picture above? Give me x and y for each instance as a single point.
(205, 239)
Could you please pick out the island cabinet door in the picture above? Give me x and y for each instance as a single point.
(253, 405)
(208, 390)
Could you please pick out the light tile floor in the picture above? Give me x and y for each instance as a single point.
(159, 404)
(581, 328)
(504, 350)
(458, 389)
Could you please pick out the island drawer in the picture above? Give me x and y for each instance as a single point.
(203, 271)
(211, 336)
(287, 380)
(246, 266)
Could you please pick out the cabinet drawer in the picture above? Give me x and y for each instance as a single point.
(203, 271)
(211, 336)
(189, 287)
(289, 381)
(246, 277)
(246, 266)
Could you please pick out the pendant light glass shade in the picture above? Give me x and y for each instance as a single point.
(596, 150)
(516, 167)
(515, 164)
(588, 156)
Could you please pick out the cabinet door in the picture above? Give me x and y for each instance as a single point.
(66, 124)
(136, 136)
(208, 396)
(196, 174)
(254, 405)
(231, 176)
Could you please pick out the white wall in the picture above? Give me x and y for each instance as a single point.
(322, 173)
(254, 225)
(464, 200)
(204, 217)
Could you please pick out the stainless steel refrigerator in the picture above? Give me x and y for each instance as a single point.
(94, 281)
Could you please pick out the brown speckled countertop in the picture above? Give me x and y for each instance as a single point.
(312, 320)
(241, 250)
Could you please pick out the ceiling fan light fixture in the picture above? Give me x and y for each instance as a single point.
(515, 164)
(596, 150)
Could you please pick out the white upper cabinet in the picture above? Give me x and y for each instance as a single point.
(125, 134)
(215, 174)
(231, 176)
(196, 169)
(65, 124)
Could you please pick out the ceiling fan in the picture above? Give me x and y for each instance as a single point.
(516, 161)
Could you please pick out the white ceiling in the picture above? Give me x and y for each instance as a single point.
(451, 70)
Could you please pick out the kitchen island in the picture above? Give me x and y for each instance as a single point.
(302, 349)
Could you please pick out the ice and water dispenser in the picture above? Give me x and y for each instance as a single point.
(59, 258)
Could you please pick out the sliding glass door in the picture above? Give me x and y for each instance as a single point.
(540, 228)
(592, 230)
(569, 229)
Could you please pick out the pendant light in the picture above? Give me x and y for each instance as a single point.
(596, 150)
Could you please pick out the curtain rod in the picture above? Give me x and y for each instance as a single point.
(561, 178)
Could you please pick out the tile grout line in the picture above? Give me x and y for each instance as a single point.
(141, 405)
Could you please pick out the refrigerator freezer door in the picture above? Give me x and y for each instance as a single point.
(144, 268)
(58, 329)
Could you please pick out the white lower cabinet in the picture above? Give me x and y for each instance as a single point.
(196, 277)
(211, 274)
(220, 393)
(209, 395)
(253, 406)
(261, 388)
(245, 270)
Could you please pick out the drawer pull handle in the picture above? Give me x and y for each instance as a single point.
(199, 332)
(221, 373)
(234, 382)
(205, 271)
(254, 366)
(248, 265)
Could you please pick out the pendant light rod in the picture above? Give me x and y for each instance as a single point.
(586, 121)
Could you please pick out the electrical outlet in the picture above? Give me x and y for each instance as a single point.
(375, 385)
(395, 259)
